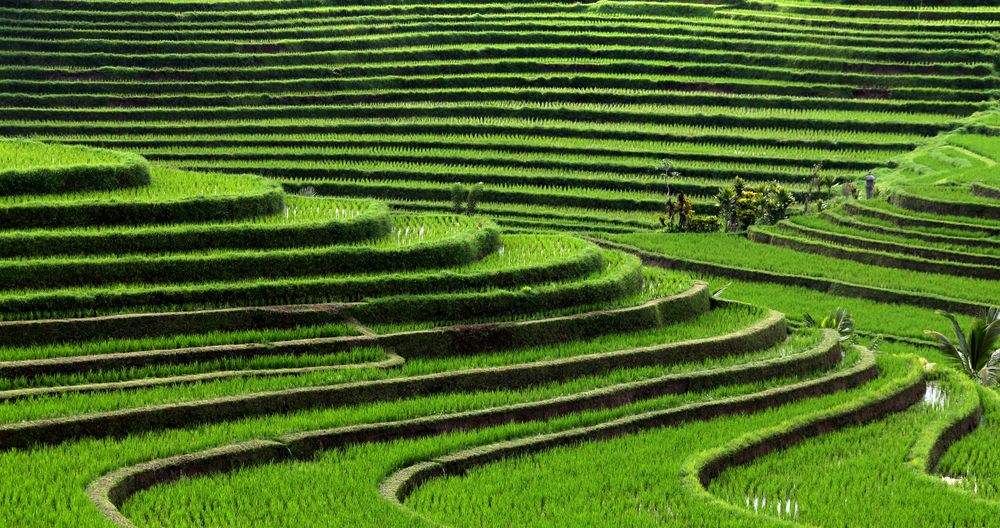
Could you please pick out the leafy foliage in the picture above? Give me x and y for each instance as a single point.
(741, 205)
(840, 320)
(976, 350)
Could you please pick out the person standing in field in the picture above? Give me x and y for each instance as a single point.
(869, 185)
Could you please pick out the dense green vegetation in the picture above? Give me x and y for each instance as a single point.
(415, 263)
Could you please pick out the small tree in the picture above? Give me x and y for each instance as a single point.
(728, 198)
(457, 197)
(667, 170)
(848, 190)
(976, 350)
(815, 182)
(475, 195)
(776, 200)
(828, 181)
(727, 201)
(741, 206)
(684, 210)
(747, 209)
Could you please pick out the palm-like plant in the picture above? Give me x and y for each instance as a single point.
(976, 351)
(828, 181)
(840, 320)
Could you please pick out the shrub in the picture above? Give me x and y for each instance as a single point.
(475, 194)
(696, 224)
(457, 197)
(703, 224)
(741, 206)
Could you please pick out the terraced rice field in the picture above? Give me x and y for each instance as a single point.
(235, 289)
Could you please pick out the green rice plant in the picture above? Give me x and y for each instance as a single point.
(943, 220)
(561, 110)
(411, 450)
(246, 144)
(871, 317)
(860, 237)
(743, 254)
(172, 196)
(915, 227)
(632, 465)
(817, 476)
(92, 458)
(417, 243)
(713, 323)
(541, 127)
(966, 464)
(192, 372)
(27, 167)
(523, 260)
(116, 346)
(304, 222)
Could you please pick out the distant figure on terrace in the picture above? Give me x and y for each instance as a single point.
(682, 209)
(869, 185)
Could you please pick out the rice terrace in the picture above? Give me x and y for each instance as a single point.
(499, 263)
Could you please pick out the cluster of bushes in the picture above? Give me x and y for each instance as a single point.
(681, 218)
(742, 205)
(739, 206)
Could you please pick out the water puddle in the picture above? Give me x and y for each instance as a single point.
(952, 481)
(968, 483)
(936, 397)
(409, 234)
(784, 505)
